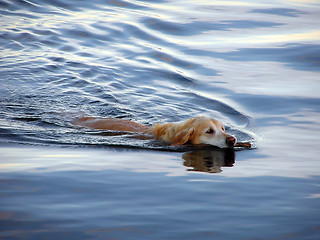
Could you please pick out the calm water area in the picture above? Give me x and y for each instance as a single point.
(254, 65)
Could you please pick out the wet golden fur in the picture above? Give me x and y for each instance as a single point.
(199, 130)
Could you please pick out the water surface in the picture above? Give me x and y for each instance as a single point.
(254, 65)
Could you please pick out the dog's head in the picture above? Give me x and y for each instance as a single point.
(202, 130)
(211, 131)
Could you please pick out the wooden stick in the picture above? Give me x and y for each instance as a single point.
(243, 144)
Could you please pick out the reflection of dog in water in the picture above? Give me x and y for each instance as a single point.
(199, 130)
(208, 161)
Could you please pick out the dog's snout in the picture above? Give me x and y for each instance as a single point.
(231, 141)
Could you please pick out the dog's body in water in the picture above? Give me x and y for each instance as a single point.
(199, 130)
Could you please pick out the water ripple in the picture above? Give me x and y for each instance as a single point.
(287, 12)
(116, 59)
(199, 27)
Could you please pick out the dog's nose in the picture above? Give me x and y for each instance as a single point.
(231, 141)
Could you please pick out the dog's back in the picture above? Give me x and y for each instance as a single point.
(114, 124)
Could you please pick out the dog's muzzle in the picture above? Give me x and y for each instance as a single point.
(231, 141)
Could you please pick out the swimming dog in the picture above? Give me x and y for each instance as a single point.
(199, 130)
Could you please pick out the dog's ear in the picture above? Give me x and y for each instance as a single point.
(182, 137)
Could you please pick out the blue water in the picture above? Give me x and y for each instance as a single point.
(254, 65)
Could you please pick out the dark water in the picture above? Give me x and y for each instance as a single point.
(254, 65)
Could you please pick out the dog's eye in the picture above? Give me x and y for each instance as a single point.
(223, 129)
(210, 131)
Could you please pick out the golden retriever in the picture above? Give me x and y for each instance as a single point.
(199, 130)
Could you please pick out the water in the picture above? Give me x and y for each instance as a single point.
(254, 65)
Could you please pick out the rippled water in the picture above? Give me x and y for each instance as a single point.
(254, 65)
